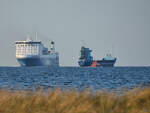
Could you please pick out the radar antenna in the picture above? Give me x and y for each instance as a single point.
(83, 43)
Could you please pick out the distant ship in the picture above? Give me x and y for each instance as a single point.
(86, 60)
(34, 53)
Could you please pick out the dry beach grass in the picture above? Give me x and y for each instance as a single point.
(57, 101)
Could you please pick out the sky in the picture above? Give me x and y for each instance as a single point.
(118, 26)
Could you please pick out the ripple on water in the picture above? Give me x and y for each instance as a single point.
(74, 77)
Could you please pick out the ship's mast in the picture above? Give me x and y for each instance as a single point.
(113, 50)
(28, 38)
(52, 46)
(36, 36)
(83, 43)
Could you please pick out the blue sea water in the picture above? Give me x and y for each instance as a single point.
(74, 78)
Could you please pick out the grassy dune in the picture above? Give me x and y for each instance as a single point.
(134, 101)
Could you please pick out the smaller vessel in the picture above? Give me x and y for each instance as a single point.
(86, 60)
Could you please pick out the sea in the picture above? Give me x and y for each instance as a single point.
(76, 78)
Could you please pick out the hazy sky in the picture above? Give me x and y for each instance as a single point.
(125, 24)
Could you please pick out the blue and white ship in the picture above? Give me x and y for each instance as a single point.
(34, 53)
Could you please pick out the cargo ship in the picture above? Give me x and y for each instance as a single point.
(34, 53)
(86, 59)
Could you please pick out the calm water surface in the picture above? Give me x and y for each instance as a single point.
(74, 77)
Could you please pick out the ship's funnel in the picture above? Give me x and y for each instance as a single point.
(52, 42)
(52, 46)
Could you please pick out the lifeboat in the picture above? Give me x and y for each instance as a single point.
(95, 64)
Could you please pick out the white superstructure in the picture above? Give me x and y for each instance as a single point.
(33, 53)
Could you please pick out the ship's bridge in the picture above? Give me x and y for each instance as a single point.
(28, 48)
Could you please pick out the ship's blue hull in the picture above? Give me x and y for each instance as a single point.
(39, 61)
(107, 63)
(102, 63)
(30, 62)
